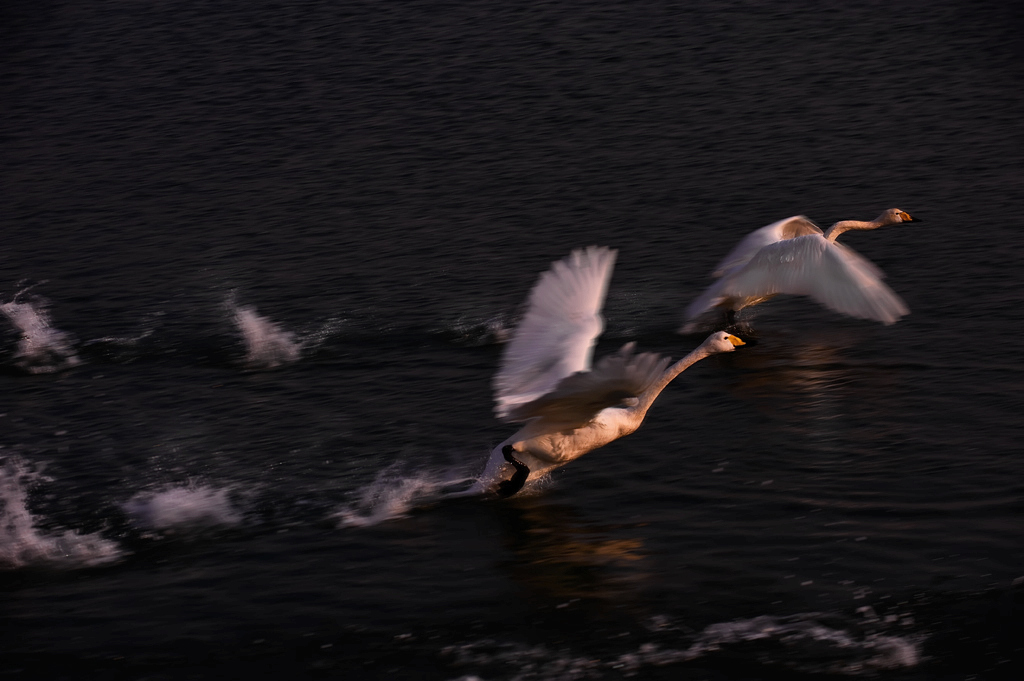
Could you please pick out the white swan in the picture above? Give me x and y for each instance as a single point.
(794, 256)
(546, 380)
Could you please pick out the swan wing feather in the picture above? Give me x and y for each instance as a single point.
(580, 396)
(556, 337)
(712, 296)
(832, 274)
(745, 250)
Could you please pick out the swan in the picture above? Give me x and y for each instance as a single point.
(546, 380)
(795, 256)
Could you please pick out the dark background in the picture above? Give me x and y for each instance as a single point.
(389, 178)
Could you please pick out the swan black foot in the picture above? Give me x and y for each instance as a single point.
(507, 488)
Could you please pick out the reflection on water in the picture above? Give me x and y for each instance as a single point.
(806, 375)
(810, 386)
(558, 555)
(829, 419)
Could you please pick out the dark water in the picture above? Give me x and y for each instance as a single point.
(370, 189)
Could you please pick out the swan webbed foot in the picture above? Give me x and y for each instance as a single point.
(507, 488)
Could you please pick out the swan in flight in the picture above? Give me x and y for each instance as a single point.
(546, 379)
(794, 256)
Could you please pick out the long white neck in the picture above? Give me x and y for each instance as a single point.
(646, 398)
(846, 225)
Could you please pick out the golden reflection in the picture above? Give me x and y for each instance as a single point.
(819, 388)
(557, 555)
(810, 379)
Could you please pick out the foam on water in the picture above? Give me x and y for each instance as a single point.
(267, 345)
(393, 494)
(521, 662)
(801, 643)
(313, 340)
(183, 507)
(828, 649)
(117, 344)
(475, 332)
(22, 543)
(41, 348)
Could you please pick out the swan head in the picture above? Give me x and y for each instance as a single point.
(720, 341)
(894, 216)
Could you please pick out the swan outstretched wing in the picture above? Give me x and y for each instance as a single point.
(832, 274)
(557, 335)
(741, 255)
(579, 397)
(745, 250)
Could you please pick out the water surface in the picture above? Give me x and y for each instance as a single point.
(275, 248)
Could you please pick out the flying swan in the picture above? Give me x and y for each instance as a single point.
(546, 380)
(794, 256)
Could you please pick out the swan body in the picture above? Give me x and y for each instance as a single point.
(546, 380)
(794, 256)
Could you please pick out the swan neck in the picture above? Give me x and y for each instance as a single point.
(847, 225)
(646, 399)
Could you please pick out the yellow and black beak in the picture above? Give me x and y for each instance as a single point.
(735, 340)
(907, 217)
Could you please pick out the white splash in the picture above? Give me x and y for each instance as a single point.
(474, 332)
(23, 544)
(183, 507)
(850, 652)
(393, 494)
(267, 345)
(41, 348)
